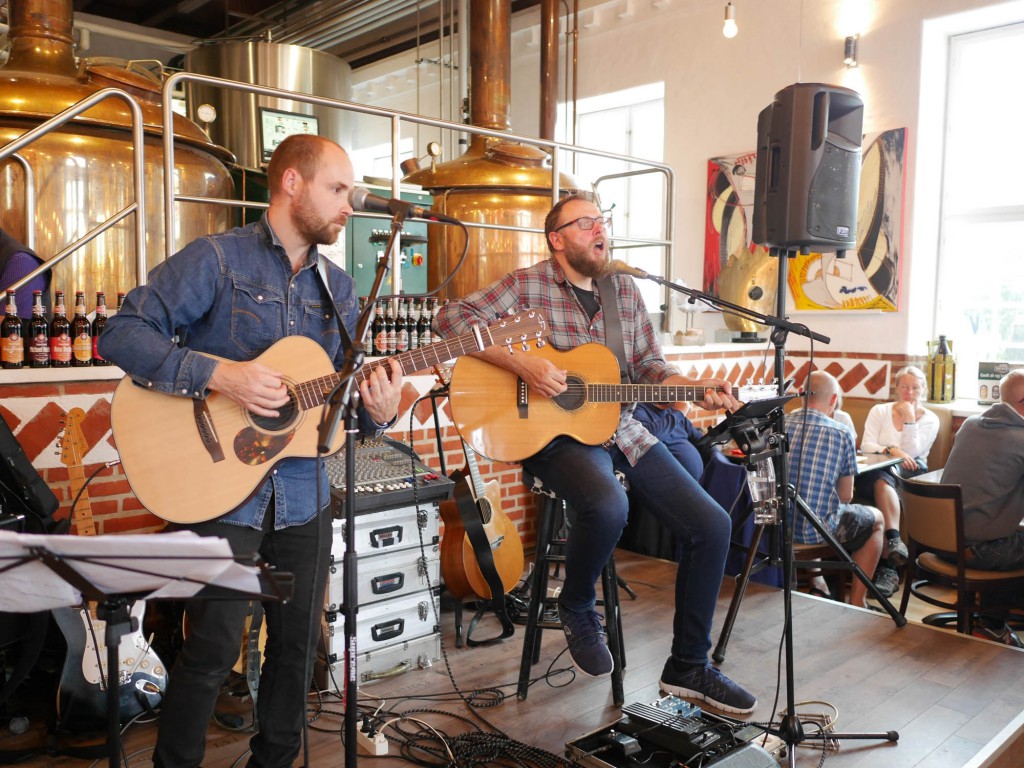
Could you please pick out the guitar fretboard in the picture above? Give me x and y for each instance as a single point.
(530, 325)
(644, 393)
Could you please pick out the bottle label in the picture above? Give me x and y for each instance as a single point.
(39, 349)
(401, 341)
(426, 339)
(82, 348)
(60, 348)
(380, 344)
(13, 349)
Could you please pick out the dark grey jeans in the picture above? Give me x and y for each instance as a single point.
(215, 629)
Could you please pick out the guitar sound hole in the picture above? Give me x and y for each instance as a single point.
(575, 396)
(282, 421)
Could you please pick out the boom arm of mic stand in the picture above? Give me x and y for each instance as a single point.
(770, 320)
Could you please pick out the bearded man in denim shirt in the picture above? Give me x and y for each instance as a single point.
(233, 295)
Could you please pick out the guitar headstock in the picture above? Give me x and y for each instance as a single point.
(520, 329)
(753, 393)
(73, 445)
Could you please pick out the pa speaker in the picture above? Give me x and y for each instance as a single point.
(808, 169)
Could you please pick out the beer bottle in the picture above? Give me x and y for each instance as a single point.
(12, 345)
(38, 334)
(380, 336)
(413, 323)
(60, 334)
(81, 334)
(97, 328)
(402, 327)
(389, 326)
(426, 316)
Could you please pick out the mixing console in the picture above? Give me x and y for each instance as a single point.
(387, 474)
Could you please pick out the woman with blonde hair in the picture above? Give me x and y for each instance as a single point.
(904, 429)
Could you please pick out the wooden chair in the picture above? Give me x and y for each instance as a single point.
(934, 519)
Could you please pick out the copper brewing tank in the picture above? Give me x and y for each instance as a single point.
(497, 181)
(83, 170)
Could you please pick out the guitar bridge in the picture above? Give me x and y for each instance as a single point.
(522, 399)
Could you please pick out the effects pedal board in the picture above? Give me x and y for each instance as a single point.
(668, 732)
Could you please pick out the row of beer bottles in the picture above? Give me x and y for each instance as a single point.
(58, 343)
(401, 324)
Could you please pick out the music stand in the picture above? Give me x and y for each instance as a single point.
(65, 570)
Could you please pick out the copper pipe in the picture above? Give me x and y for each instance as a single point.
(490, 64)
(548, 67)
(40, 36)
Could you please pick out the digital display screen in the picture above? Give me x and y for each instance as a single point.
(276, 126)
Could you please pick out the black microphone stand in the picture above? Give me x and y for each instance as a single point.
(343, 405)
(790, 729)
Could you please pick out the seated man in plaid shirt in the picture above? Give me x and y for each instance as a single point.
(822, 464)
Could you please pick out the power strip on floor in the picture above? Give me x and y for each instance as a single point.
(372, 745)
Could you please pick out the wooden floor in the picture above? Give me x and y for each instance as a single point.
(951, 698)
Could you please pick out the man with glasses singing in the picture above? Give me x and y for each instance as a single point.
(566, 289)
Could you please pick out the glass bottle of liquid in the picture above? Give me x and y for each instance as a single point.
(60, 334)
(12, 345)
(38, 334)
(81, 334)
(98, 322)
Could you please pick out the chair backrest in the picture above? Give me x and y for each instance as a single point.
(933, 514)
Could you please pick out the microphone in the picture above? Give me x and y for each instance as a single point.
(622, 268)
(362, 199)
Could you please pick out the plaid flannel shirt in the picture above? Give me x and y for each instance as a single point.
(545, 287)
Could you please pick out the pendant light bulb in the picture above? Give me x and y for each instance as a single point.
(729, 28)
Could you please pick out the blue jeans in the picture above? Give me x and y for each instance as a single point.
(215, 629)
(584, 476)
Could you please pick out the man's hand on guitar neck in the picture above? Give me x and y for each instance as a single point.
(541, 375)
(717, 392)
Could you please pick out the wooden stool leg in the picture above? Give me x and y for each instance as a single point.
(538, 596)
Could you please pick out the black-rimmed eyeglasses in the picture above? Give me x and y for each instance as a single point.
(586, 222)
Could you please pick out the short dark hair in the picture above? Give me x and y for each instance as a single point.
(551, 220)
(300, 151)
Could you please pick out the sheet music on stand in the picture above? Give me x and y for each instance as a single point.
(163, 566)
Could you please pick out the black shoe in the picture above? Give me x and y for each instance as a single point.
(706, 683)
(588, 642)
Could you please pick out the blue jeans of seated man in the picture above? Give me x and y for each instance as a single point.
(215, 632)
(584, 476)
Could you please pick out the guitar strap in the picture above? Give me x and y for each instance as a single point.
(321, 269)
(613, 325)
(474, 526)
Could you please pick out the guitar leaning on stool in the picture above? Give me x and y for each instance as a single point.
(481, 552)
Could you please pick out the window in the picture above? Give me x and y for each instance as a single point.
(980, 281)
(629, 123)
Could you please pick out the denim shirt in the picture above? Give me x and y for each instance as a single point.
(233, 295)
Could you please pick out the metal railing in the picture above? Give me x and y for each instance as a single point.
(397, 119)
(139, 178)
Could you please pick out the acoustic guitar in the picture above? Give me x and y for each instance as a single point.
(189, 460)
(460, 564)
(81, 694)
(497, 414)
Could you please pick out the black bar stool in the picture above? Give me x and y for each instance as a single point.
(542, 613)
